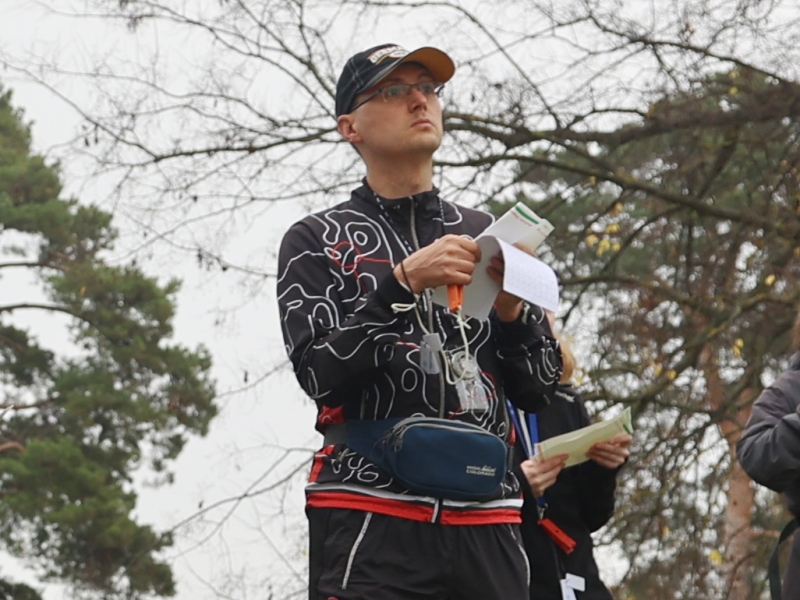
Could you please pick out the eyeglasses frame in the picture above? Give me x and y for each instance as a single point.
(411, 86)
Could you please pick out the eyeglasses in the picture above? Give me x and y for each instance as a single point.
(399, 91)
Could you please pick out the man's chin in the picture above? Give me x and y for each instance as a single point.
(429, 142)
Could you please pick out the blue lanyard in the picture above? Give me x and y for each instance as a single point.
(531, 429)
(533, 435)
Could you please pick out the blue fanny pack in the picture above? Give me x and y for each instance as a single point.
(433, 457)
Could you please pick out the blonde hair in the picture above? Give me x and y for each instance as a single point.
(567, 357)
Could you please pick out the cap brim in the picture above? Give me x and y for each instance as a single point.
(440, 65)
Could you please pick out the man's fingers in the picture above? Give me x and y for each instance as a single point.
(460, 242)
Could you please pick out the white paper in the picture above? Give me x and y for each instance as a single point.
(577, 443)
(529, 278)
(576, 582)
(567, 593)
(525, 276)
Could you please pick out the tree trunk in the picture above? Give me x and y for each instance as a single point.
(736, 532)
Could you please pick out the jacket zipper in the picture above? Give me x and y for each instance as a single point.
(429, 302)
(435, 517)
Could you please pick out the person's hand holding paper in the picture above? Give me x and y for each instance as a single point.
(613, 453)
(515, 275)
(542, 473)
(577, 444)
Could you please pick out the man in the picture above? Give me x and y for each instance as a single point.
(368, 344)
(769, 452)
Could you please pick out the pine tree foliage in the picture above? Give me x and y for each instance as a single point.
(78, 421)
(17, 591)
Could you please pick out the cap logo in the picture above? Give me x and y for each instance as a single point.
(390, 52)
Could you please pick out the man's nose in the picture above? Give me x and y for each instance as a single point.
(418, 99)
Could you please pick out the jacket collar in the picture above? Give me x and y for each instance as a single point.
(427, 205)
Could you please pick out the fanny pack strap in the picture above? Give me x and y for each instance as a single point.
(335, 434)
(360, 435)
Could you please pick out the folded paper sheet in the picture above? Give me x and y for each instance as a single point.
(577, 443)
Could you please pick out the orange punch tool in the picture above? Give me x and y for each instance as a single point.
(455, 297)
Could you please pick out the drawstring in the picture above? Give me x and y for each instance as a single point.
(462, 325)
(399, 307)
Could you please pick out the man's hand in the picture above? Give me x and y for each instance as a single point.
(450, 260)
(542, 473)
(613, 453)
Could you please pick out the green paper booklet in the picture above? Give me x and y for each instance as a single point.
(577, 443)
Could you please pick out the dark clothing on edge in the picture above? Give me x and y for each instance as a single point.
(579, 502)
(769, 451)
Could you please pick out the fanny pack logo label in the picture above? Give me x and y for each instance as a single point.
(485, 470)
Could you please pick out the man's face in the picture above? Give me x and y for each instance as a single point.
(402, 125)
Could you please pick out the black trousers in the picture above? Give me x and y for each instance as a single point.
(358, 555)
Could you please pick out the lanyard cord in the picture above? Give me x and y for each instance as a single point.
(459, 316)
(533, 429)
(461, 322)
(427, 294)
(529, 434)
(417, 246)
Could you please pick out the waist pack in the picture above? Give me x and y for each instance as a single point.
(433, 457)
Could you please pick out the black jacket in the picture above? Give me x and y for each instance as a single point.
(769, 451)
(355, 346)
(579, 502)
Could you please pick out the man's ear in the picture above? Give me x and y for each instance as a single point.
(347, 129)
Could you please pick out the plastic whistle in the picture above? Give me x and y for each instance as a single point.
(455, 297)
(562, 540)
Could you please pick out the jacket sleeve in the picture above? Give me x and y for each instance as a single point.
(330, 349)
(530, 360)
(596, 485)
(517, 457)
(769, 449)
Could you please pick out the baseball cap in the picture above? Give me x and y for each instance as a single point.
(367, 68)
